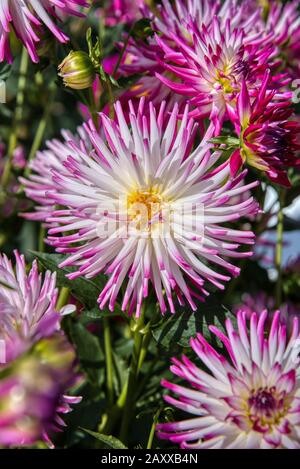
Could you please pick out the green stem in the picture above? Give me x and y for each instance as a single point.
(279, 247)
(109, 361)
(93, 108)
(133, 373)
(152, 431)
(63, 298)
(111, 99)
(42, 235)
(122, 53)
(13, 140)
(40, 132)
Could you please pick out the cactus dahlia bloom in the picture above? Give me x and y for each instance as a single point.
(26, 17)
(270, 141)
(27, 305)
(143, 207)
(211, 65)
(250, 400)
(32, 392)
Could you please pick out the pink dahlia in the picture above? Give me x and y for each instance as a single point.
(27, 305)
(172, 23)
(211, 63)
(26, 17)
(270, 140)
(32, 393)
(29, 405)
(144, 207)
(249, 400)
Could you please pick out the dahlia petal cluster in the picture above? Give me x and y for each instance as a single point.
(28, 18)
(32, 392)
(127, 209)
(123, 11)
(249, 400)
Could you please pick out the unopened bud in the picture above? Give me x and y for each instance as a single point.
(77, 70)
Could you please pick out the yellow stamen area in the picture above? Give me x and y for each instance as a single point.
(143, 206)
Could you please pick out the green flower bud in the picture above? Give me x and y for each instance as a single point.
(77, 70)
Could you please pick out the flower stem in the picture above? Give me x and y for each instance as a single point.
(40, 132)
(152, 431)
(63, 298)
(109, 361)
(13, 140)
(133, 373)
(279, 247)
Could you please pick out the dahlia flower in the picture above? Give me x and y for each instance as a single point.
(27, 305)
(32, 393)
(211, 64)
(249, 400)
(26, 18)
(283, 28)
(270, 141)
(123, 203)
(258, 302)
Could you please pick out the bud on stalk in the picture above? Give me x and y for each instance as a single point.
(77, 71)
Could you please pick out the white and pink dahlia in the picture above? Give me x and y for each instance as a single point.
(27, 305)
(144, 207)
(249, 400)
(28, 18)
(39, 364)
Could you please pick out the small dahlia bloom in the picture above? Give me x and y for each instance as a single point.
(145, 208)
(270, 140)
(27, 305)
(249, 400)
(32, 393)
(28, 18)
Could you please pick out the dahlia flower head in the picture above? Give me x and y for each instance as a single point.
(247, 401)
(28, 18)
(201, 51)
(29, 319)
(32, 393)
(270, 139)
(144, 207)
(27, 305)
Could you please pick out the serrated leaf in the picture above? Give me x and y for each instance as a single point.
(183, 325)
(84, 290)
(108, 440)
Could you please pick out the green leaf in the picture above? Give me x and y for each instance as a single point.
(84, 290)
(179, 329)
(89, 352)
(5, 71)
(142, 29)
(109, 441)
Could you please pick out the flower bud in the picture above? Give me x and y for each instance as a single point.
(77, 70)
